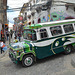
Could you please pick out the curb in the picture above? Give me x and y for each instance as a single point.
(73, 61)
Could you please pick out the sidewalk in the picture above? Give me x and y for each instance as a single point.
(68, 71)
(6, 52)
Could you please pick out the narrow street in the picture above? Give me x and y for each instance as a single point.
(31, 29)
(55, 65)
(59, 64)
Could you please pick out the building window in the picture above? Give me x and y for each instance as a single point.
(43, 0)
(74, 9)
(25, 18)
(55, 16)
(37, 1)
(56, 30)
(33, 22)
(29, 23)
(33, 13)
(29, 16)
(67, 7)
(68, 28)
(38, 9)
(43, 33)
(39, 20)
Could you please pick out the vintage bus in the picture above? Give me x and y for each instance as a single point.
(43, 40)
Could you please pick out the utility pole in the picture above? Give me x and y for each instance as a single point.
(3, 21)
(0, 30)
(0, 17)
(3, 16)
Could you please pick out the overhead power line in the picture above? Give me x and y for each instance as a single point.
(19, 8)
(62, 1)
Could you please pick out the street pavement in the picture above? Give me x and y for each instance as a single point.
(54, 65)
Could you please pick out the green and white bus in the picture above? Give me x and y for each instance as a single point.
(43, 40)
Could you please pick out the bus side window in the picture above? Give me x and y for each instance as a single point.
(43, 33)
(56, 30)
(68, 28)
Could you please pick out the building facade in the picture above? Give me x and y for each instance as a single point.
(38, 11)
(62, 9)
(3, 18)
(3, 11)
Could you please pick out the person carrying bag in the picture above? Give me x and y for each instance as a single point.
(2, 46)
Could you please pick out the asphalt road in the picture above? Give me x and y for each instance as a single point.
(55, 65)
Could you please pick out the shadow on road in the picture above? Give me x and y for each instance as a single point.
(50, 58)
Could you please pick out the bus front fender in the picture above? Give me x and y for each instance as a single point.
(21, 56)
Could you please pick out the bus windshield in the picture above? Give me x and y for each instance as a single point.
(29, 34)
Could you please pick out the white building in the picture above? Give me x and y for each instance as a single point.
(62, 9)
(36, 11)
(33, 11)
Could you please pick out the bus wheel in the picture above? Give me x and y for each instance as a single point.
(28, 60)
(68, 49)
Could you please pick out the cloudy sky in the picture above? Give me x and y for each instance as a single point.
(11, 13)
(16, 3)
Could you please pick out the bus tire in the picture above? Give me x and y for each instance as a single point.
(68, 49)
(28, 60)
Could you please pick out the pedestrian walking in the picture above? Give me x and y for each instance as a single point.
(7, 34)
(19, 36)
(16, 34)
(11, 33)
(1, 46)
(2, 35)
